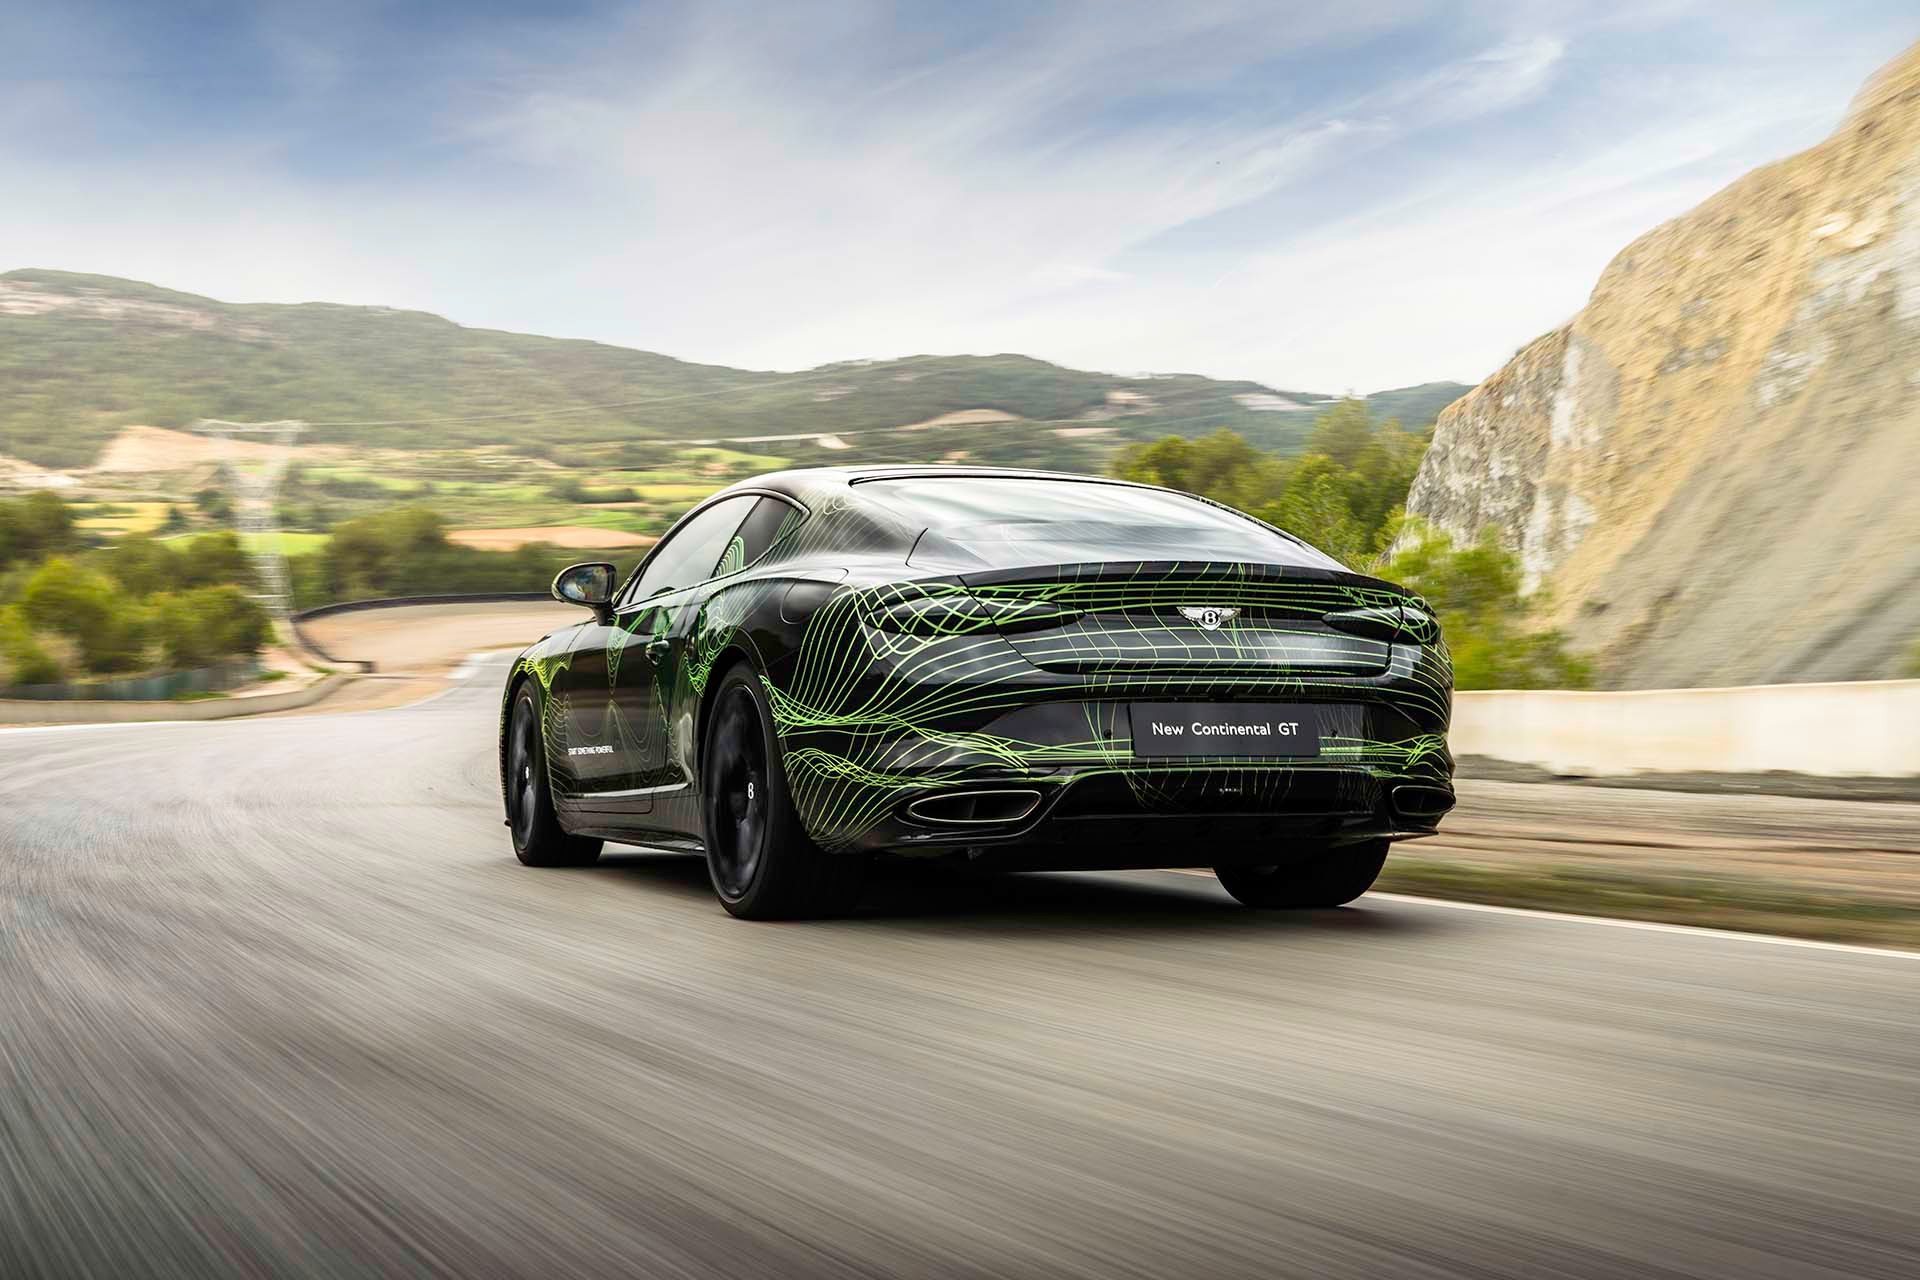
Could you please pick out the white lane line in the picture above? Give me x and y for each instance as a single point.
(1614, 922)
(107, 724)
(1650, 926)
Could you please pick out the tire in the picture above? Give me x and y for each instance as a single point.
(538, 839)
(762, 864)
(1333, 879)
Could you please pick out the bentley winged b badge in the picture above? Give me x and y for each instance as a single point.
(1209, 618)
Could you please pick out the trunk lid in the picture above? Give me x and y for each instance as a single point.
(1187, 617)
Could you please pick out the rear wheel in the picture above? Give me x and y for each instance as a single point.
(1336, 877)
(538, 839)
(761, 862)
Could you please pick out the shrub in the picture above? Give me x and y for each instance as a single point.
(206, 624)
(34, 526)
(65, 598)
(1475, 591)
(1339, 495)
(214, 558)
(23, 659)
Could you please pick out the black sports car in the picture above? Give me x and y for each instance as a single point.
(1021, 669)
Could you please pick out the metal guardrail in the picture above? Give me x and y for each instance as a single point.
(394, 602)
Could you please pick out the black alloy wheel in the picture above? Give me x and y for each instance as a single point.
(737, 795)
(762, 864)
(538, 838)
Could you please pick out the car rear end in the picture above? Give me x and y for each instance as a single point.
(1120, 711)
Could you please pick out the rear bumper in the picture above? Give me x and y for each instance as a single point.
(933, 718)
(1210, 815)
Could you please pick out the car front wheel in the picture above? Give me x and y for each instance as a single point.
(762, 864)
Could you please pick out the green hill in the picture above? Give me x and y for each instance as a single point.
(82, 356)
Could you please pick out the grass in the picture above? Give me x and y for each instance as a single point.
(1718, 902)
(683, 493)
(709, 455)
(116, 518)
(292, 542)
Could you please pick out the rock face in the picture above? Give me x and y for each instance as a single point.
(1714, 470)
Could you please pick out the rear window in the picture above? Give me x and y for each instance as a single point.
(1018, 520)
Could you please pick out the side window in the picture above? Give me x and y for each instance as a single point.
(763, 527)
(691, 551)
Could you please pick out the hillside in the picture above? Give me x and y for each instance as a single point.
(1713, 467)
(83, 356)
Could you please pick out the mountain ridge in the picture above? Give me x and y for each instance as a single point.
(82, 356)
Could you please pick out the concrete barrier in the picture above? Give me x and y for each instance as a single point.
(1864, 729)
(15, 712)
(306, 641)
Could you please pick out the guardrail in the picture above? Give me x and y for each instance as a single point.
(393, 602)
(1857, 729)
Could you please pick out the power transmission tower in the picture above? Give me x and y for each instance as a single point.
(254, 478)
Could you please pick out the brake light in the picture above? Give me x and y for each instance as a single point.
(1407, 623)
(936, 609)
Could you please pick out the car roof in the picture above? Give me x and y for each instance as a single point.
(802, 481)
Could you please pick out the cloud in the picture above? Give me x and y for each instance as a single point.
(1321, 198)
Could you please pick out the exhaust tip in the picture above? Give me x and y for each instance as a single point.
(964, 808)
(1421, 802)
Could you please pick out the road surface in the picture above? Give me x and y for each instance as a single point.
(275, 998)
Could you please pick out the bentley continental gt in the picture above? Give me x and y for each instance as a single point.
(1017, 669)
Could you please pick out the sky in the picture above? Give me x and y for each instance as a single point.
(1319, 196)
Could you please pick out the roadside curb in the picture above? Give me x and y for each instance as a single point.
(32, 713)
(393, 602)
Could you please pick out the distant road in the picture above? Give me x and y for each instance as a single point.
(276, 999)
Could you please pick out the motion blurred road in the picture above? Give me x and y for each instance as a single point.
(275, 997)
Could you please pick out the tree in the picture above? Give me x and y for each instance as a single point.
(213, 558)
(1339, 495)
(205, 624)
(23, 659)
(33, 526)
(214, 503)
(1475, 592)
(1314, 506)
(387, 553)
(68, 599)
(1343, 432)
(1221, 466)
(140, 564)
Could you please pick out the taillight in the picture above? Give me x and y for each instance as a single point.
(1409, 623)
(934, 609)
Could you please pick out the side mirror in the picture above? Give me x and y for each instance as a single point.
(588, 585)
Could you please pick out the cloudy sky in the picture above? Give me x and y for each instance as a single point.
(1321, 196)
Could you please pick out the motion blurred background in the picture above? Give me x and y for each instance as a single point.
(329, 332)
(1697, 235)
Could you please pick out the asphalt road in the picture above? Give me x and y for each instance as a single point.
(275, 998)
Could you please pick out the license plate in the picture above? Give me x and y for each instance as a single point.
(1162, 729)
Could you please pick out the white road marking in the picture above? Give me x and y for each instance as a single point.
(106, 724)
(1651, 926)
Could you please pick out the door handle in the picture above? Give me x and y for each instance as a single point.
(656, 650)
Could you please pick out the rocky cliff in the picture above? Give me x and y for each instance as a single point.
(1714, 469)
